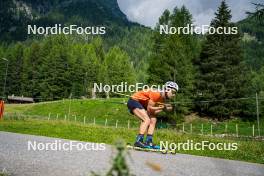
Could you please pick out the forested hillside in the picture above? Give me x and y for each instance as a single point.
(218, 75)
(16, 15)
(22, 50)
(253, 44)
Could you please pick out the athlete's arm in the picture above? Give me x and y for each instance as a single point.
(152, 108)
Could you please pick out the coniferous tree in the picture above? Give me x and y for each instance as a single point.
(92, 64)
(222, 72)
(15, 55)
(77, 71)
(117, 67)
(173, 55)
(55, 82)
(3, 65)
(31, 73)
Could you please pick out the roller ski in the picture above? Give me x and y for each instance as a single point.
(147, 148)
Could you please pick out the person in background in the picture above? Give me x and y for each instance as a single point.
(1, 108)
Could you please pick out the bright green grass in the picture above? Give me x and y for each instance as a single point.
(233, 126)
(111, 110)
(98, 110)
(229, 127)
(251, 151)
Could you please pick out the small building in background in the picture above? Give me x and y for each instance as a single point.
(19, 100)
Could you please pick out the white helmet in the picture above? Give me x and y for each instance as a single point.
(171, 85)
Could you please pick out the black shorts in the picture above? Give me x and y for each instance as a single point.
(133, 104)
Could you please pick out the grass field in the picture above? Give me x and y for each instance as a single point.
(100, 109)
(109, 111)
(57, 119)
(251, 151)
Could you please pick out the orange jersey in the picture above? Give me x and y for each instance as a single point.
(144, 96)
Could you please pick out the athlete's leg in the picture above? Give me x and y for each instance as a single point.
(153, 121)
(145, 120)
(152, 125)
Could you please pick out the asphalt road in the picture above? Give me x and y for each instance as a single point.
(17, 160)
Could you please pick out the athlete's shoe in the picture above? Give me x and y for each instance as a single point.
(141, 145)
(153, 146)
